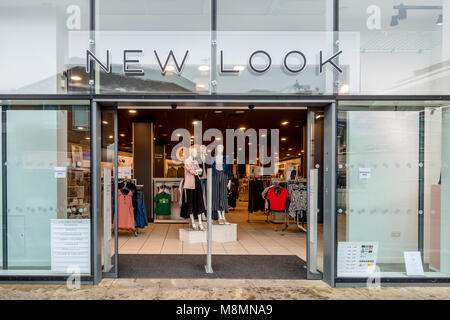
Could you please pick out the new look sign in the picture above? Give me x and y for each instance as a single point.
(232, 62)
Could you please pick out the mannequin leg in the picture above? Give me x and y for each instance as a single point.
(221, 217)
(200, 224)
(224, 218)
(193, 224)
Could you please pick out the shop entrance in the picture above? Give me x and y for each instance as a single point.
(267, 201)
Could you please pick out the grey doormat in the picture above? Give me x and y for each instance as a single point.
(174, 266)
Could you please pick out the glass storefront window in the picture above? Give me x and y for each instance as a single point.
(393, 186)
(46, 205)
(405, 45)
(34, 36)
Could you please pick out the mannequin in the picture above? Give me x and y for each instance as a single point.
(194, 198)
(203, 177)
(221, 184)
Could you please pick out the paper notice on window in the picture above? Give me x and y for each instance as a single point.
(357, 259)
(60, 172)
(413, 263)
(365, 173)
(70, 245)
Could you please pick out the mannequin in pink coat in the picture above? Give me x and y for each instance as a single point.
(192, 170)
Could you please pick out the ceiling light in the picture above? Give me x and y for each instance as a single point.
(105, 122)
(264, 135)
(80, 128)
(111, 137)
(242, 128)
(303, 151)
(440, 20)
(283, 139)
(203, 68)
(288, 154)
(290, 149)
(200, 87)
(122, 134)
(87, 138)
(344, 89)
(195, 122)
(75, 78)
(132, 111)
(394, 21)
(218, 111)
(284, 123)
(240, 111)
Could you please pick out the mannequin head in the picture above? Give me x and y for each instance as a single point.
(220, 149)
(193, 152)
(203, 150)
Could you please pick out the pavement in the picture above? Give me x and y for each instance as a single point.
(216, 289)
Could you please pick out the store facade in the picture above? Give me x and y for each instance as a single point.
(377, 70)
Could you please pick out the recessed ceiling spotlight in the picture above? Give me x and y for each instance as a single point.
(285, 123)
(283, 139)
(239, 111)
(218, 111)
(122, 134)
(242, 128)
(75, 78)
(195, 122)
(203, 68)
(132, 111)
(111, 137)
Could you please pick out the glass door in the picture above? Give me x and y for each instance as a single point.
(109, 192)
(315, 158)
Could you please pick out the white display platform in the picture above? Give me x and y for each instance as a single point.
(220, 233)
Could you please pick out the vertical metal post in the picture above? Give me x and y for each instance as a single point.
(116, 190)
(421, 180)
(329, 199)
(4, 192)
(92, 46)
(96, 193)
(208, 266)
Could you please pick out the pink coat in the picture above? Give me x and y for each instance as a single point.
(189, 173)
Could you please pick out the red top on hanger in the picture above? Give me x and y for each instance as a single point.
(277, 202)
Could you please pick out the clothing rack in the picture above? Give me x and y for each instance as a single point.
(250, 180)
(287, 217)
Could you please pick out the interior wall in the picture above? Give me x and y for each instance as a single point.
(383, 208)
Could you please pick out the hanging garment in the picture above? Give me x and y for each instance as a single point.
(162, 204)
(277, 197)
(219, 193)
(298, 197)
(255, 201)
(126, 211)
(141, 212)
(233, 193)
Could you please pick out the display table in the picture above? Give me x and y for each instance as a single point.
(220, 233)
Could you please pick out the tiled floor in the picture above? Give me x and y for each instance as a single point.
(256, 237)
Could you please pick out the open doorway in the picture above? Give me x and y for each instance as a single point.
(263, 231)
